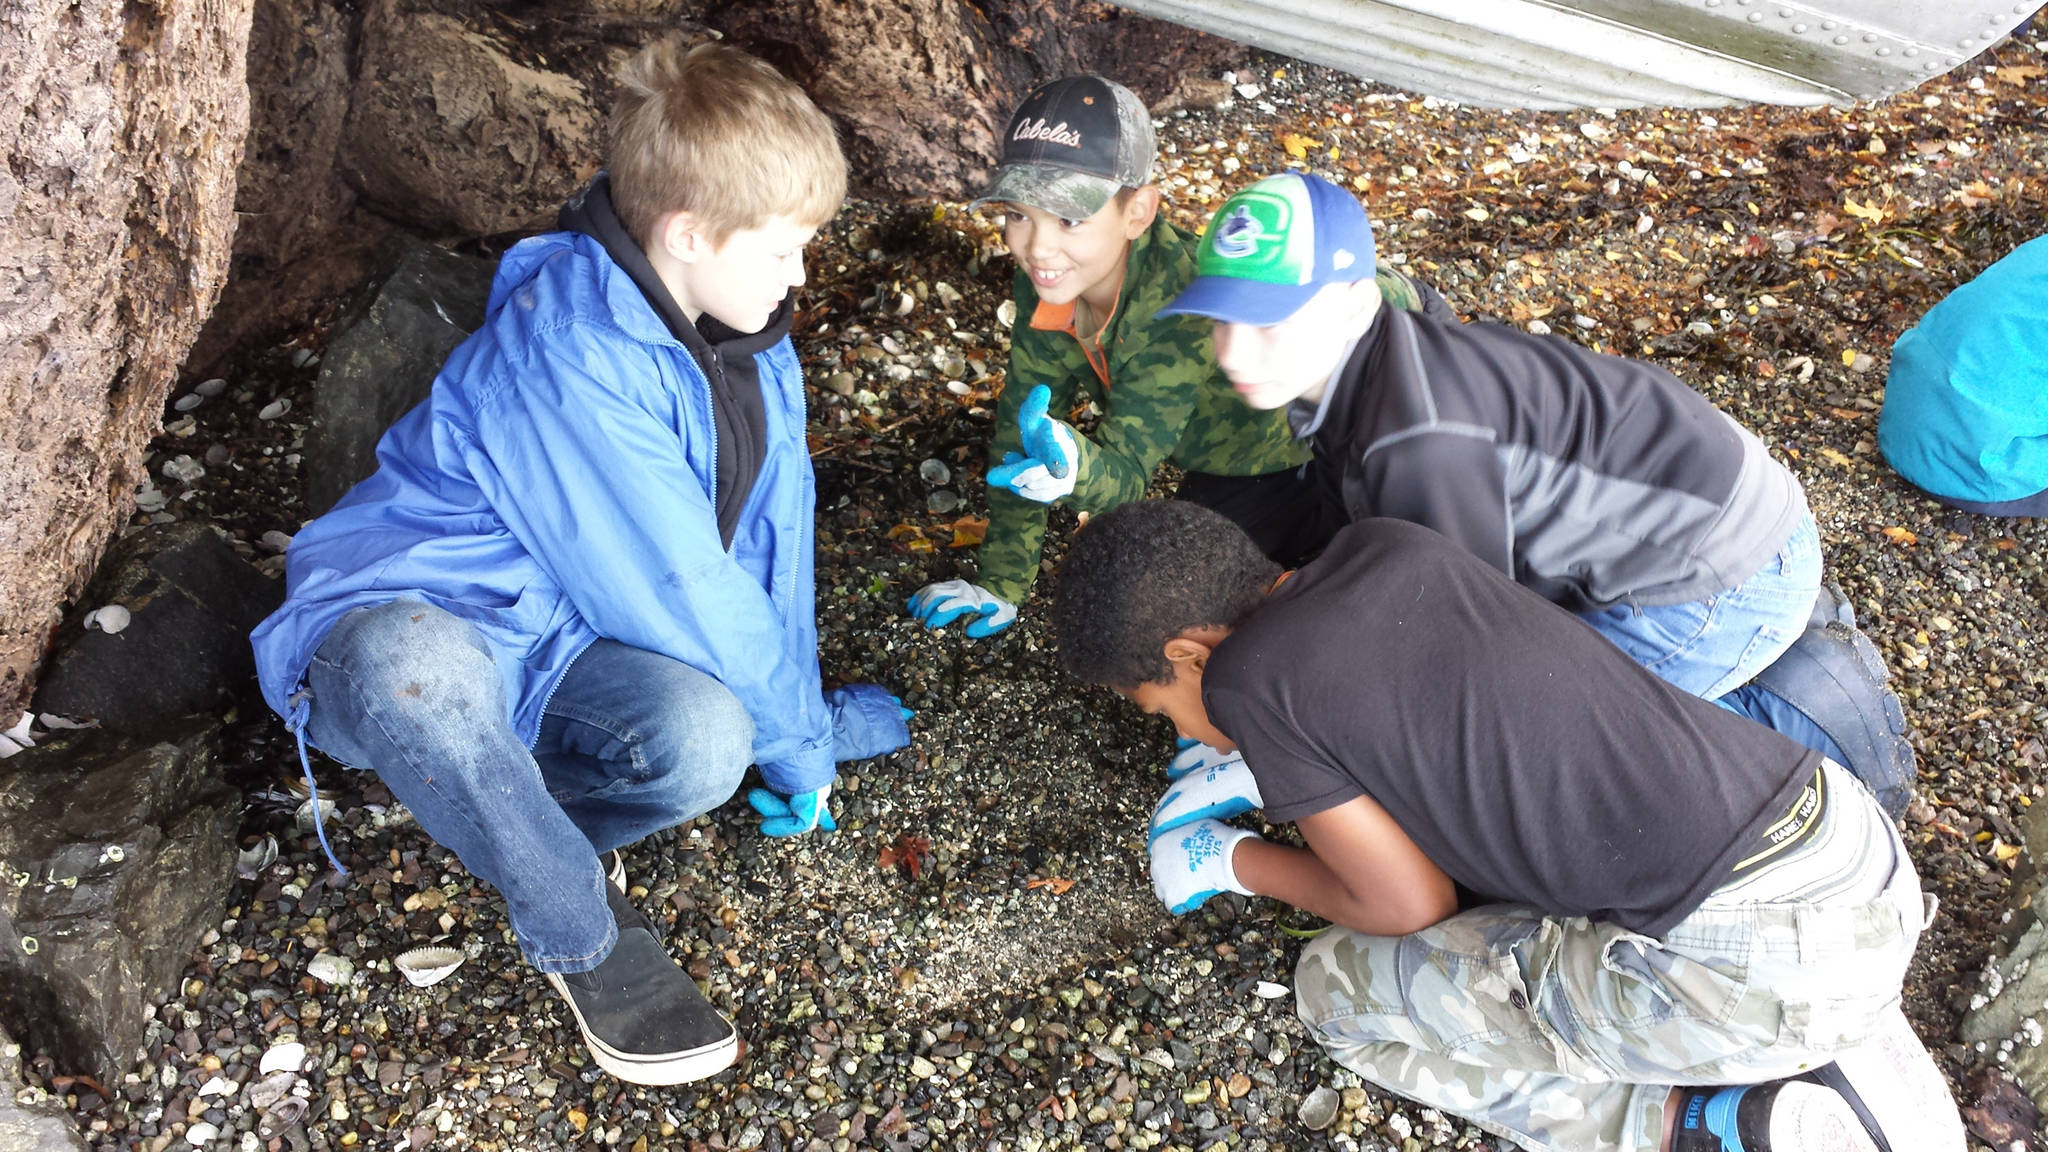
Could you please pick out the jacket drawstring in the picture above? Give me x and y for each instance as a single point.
(301, 711)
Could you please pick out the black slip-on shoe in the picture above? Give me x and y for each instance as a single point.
(642, 1017)
(615, 868)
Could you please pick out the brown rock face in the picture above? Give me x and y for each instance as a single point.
(123, 124)
(922, 88)
(448, 132)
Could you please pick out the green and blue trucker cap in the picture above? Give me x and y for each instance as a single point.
(1272, 246)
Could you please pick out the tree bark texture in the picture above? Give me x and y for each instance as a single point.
(123, 124)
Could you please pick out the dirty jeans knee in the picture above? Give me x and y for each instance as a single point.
(635, 742)
(411, 691)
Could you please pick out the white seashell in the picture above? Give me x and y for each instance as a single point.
(274, 409)
(188, 401)
(1267, 990)
(289, 1056)
(253, 860)
(150, 499)
(304, 356)
(201, 1134)
(306, 819)
(430, 965)
(218, 1086)
(211, 388)
(53, 722)
(934, 471)
(330, 968)
(184, 469)
(959, 388)
(274, 541)
(110, 619)
(1006, 313)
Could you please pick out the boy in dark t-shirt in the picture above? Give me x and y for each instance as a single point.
(1684, 899)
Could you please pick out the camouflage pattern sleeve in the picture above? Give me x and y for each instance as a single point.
(1008, 557)
(1149, 406)
(1399, 290)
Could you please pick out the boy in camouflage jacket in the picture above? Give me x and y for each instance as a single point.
(1096, 261)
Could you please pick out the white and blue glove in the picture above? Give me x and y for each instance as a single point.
(1192, 863)
(1045, 472)
(1192, 755)
(793, 815)
(1218, 791)
(937, 605)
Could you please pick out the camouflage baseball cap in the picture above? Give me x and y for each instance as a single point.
(1072, 145)
(1272, 246)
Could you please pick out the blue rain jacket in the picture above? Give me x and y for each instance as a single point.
(1966, 407)
(557, 486)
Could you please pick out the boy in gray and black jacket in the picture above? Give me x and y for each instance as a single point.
(1601, 483)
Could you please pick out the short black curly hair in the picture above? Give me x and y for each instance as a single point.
(1141, 574)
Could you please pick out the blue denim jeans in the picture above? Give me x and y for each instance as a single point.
(1710, 647)
(632, 742)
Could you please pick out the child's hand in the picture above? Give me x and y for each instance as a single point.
(1223, 789)
(793, 815)
(1192, 863)
(937, 605)
(1047, 473)
(1192, 755)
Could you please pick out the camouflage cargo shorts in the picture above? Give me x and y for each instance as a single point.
(1562, 1033)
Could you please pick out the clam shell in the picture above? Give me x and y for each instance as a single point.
(330, 968)
(430, 965)
(111, 618)
(286, 1057)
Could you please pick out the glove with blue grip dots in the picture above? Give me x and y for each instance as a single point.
(1193, 754)
(1192, 863)
(937, 605)
(793, 815)
(1218, 791)
(1045, 472)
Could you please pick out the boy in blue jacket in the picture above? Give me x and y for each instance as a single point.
(575, 601)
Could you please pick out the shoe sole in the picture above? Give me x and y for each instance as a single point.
(664, 1069)
(1810, 1118)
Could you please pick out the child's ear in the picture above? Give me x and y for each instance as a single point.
(680, 236)
(1365, 303)
(1184, 652)
(1140, 209)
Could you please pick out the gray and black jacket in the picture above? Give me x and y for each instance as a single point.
(1593, 480)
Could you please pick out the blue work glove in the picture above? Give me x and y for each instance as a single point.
(793, 815)
(1192, 863)
(1046, 471)
(1193, 754)
(937, 605)
(1223, 789)
(866, 721)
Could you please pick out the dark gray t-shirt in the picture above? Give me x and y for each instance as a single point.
(1523, 753)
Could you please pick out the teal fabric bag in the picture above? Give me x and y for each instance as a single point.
(1965, 414)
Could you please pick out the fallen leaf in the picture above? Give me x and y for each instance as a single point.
(1972, 194)
(1839, 461)
(909, 854)
(2005, 544)
(1058, 884)
(968, 531)
(1297, 146)
(2019, 74)
(906, 531)
(1846, 414)
(1899, 535)
(1848, 357)
(1871, 212)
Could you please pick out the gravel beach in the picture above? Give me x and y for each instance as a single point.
(975, 960)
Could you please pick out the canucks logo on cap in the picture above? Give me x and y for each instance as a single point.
(1252, 236)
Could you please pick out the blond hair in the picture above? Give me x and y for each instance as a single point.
(723, 136)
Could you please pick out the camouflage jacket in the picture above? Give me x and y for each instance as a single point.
(1155, 380)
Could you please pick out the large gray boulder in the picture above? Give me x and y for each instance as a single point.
(119, 853)
(384, 362)
(191, 601)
